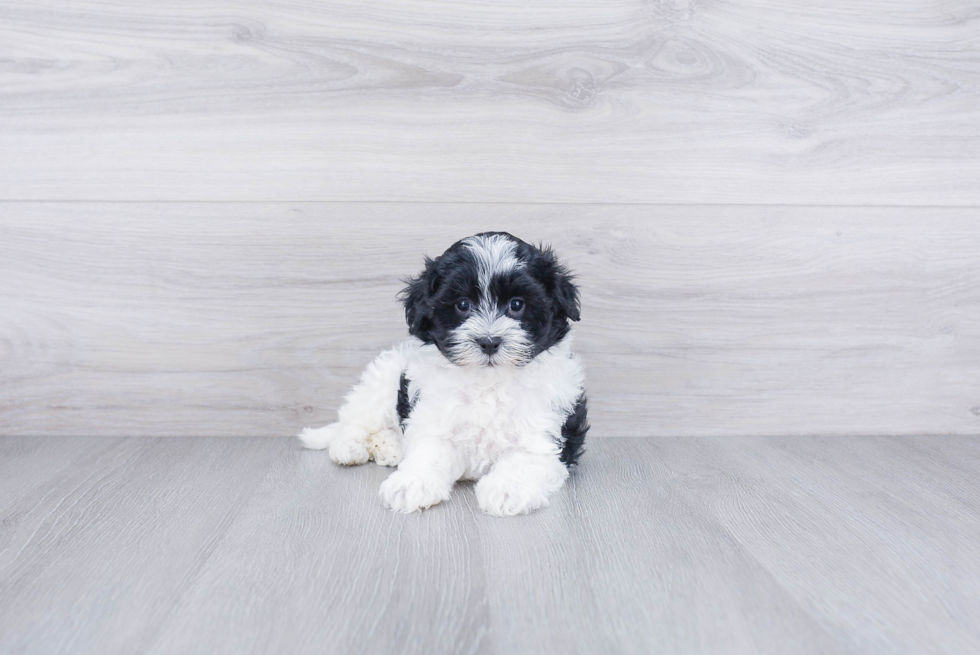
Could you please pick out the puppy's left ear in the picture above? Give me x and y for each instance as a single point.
(558, 282)
(566, 294)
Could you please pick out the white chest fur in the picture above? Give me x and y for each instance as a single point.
(488, 410)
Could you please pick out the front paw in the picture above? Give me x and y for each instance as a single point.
(502, 497)
(407, 492)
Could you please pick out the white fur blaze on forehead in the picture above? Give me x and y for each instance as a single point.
(494, 255)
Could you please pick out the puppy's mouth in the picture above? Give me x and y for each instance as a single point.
(506, 358)
(494, 363)
(474, 357)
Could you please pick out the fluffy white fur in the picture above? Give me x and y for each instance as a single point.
(500, 425)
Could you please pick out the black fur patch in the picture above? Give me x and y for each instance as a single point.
(404, 404)
(573, 433)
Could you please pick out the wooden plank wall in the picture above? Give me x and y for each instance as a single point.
(205, 208)
(670, 101)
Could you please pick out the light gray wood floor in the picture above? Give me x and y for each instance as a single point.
(739, 545)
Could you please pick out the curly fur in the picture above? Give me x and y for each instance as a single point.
(488, 387)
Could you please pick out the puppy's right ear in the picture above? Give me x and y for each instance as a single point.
(417, 297)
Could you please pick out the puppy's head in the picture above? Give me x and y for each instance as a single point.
(491, 300)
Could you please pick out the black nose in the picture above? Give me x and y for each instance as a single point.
(489, 345)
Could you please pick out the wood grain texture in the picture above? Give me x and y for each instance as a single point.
(116, 538)
(254, 319)
(669, 101)
(813, 545)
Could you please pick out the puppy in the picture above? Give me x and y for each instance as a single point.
(487, 389)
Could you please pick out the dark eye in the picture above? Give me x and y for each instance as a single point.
(516, 305)
(463, 305)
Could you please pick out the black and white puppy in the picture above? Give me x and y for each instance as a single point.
(487, 389)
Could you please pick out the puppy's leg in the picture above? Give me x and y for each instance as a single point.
(520, 482)
(346, 443)
(368, 425)
(425, 476)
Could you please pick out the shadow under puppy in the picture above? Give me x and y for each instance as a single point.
(487, 389)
